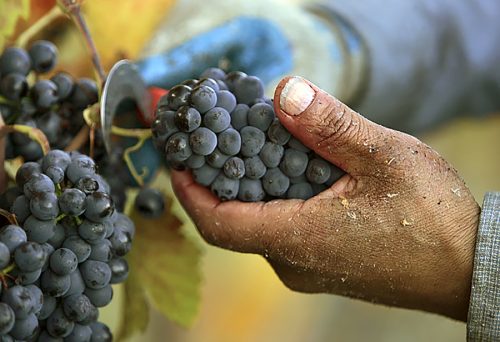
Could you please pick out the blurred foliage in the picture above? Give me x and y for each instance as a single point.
(10, 12)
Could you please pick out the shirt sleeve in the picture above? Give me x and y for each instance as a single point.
(484, 308)
(428, 60)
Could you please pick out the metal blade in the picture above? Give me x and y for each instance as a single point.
(123, 82)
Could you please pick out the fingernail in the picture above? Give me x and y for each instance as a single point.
(296, 96)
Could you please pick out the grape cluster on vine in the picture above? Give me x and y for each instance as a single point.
(63, 252)
(54, 105)
(224, 129)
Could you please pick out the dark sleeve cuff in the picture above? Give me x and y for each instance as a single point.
(484, 309)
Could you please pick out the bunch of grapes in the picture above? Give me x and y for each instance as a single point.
(224, 129)
(59, 260)
(53, 105)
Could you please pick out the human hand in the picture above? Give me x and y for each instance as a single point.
(264, 38)
(398, 229)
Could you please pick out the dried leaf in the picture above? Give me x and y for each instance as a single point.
(10, 12)
(167, 263)
(135, 313)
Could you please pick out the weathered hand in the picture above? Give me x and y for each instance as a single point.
(398, 229)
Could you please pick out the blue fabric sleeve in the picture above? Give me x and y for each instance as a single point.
(428, 59)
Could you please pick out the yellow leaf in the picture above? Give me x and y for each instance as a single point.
(10, 12)
(135, 313)
(167, 264)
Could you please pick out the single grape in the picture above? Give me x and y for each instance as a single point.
(53, 284)
(208, 82)
(99, 206)
(252, 141)
(100, 297)
(234, 168)
(50, 124)
(297, 145)
(239, 116)
(217, 119)
(37, 296)
(101, 251)
(229, 142)
(277, 133)
(48, 307)
(58, 325)
(55, 173)
(217, 159)
(318, 171)
(77, 307)
(203, 141)
(72, 202)
(275, 183)
(247, 89)
(119, 270)
(63, 261)
(58, 238)
(13, 86)
(12, 236)
(87, 184)
(225, 188)
(177, 147)
(7, 318)
(78, 246)
(38, 230)
(213, 73)
(92, 317)
(195, 161)
(300, 191)
(30, 151)
(26, 278)
(25, 328)
(294, 163)
(38, 183)
(4, 256)
(187, 119)
(44, 94)
(65, 84)
(255, 167)
(226, 100)
(121, 241)
(15, 60)
(44, 205)
(271, 154)
(30, 256)
(261, 115)
(84, 93)
(80, 333)
(251, 190)
(178, 96)
(80, 167)
(124, 223)
(43, 56)
(77, 285)
(232, 78)
(150, 203)
(205, 175)
(100, 332)
(21, 208)
(335, 174)
(92, 231)
(203, 98)
(20, 299)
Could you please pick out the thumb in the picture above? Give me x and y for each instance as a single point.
(327, 126)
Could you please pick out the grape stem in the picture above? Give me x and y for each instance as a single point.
(25, 37)
(74, 9)
(60, 217)
(142, 134)
(9, 216)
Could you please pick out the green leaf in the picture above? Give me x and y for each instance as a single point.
(10, 12)
(135, 310)
(168, 266)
